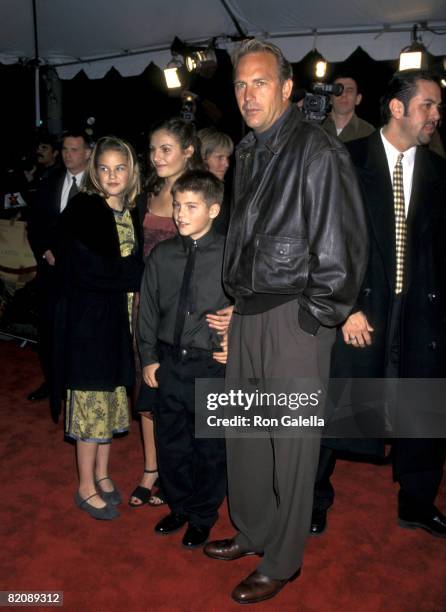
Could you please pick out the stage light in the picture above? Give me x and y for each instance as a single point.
(321, 69)
(172, 78)
(172, 74)
(200, 60)
(414, 56)
(204, 62)
(411, 59)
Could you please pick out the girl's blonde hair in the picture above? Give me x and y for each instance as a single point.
(112, 143)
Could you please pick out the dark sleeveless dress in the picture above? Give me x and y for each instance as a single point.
(155, 230)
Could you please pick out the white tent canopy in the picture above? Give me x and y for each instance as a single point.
(95, 35)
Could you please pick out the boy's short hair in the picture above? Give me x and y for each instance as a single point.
(203, 182)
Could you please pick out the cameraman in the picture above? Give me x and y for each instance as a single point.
(343, 122)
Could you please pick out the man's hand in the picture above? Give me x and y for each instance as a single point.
(222, 356)
(356, 330)
(49, 258)
(148, 374)
(220, 320)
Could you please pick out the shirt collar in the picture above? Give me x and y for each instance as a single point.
(202, 242)
(263, 137)
(79, 176)
(392, 152)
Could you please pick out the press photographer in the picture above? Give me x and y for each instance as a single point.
(343, 121)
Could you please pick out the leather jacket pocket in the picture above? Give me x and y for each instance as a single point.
(280, 264)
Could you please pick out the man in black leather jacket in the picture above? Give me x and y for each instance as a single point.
(294, 261)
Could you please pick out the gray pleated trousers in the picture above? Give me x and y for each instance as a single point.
(271, 479)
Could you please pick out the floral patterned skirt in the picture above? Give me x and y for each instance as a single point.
(94, 416)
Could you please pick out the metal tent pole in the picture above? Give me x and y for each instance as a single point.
(36, 67)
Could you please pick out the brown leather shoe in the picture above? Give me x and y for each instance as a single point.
(258, 587)
(226, 550)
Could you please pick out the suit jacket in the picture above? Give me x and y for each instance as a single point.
(423, 312)
(423, 307)
(44, 215)
(423, 338)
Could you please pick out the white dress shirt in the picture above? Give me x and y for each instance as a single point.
(67, 186)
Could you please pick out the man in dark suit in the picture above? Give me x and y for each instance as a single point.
(397, 328)
(51, 199)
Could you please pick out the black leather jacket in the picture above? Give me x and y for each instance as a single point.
(298, 227)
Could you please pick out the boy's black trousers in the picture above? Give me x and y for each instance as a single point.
(192, 470)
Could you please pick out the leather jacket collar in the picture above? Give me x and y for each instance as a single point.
(275, 143)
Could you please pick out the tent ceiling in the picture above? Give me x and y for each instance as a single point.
(130, 34)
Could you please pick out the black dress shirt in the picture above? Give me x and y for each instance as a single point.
(160, 292)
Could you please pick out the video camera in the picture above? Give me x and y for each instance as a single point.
(189, 106)
(317, 104)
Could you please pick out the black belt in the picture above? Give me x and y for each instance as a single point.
(184, 353)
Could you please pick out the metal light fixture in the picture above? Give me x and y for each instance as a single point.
(204, 62)
(414, 56)
(172, 74)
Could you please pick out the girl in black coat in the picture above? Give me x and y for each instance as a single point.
(100, 266)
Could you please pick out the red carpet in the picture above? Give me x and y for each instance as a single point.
(364, 562)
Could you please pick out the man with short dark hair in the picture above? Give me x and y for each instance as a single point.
(396, 329)
(343, 121)
(294, 259)
(47, 156)
(51, 198)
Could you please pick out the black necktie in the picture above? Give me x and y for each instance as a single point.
(185, 301)
(73, 189)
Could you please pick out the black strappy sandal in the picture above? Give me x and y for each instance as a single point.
(143, 494)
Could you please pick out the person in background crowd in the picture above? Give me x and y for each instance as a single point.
(47, 155)
(99, 265)
(216, 150)
(33, 169)
(51, 199)
(343, 121)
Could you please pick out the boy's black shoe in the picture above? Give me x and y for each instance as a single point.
(195, 536)
(170, 523)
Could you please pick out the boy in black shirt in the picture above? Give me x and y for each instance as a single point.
(181, 285)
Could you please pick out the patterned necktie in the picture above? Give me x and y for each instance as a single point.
(400, 223)
(73, 189)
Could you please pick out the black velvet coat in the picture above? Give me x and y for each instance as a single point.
(93, 343)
